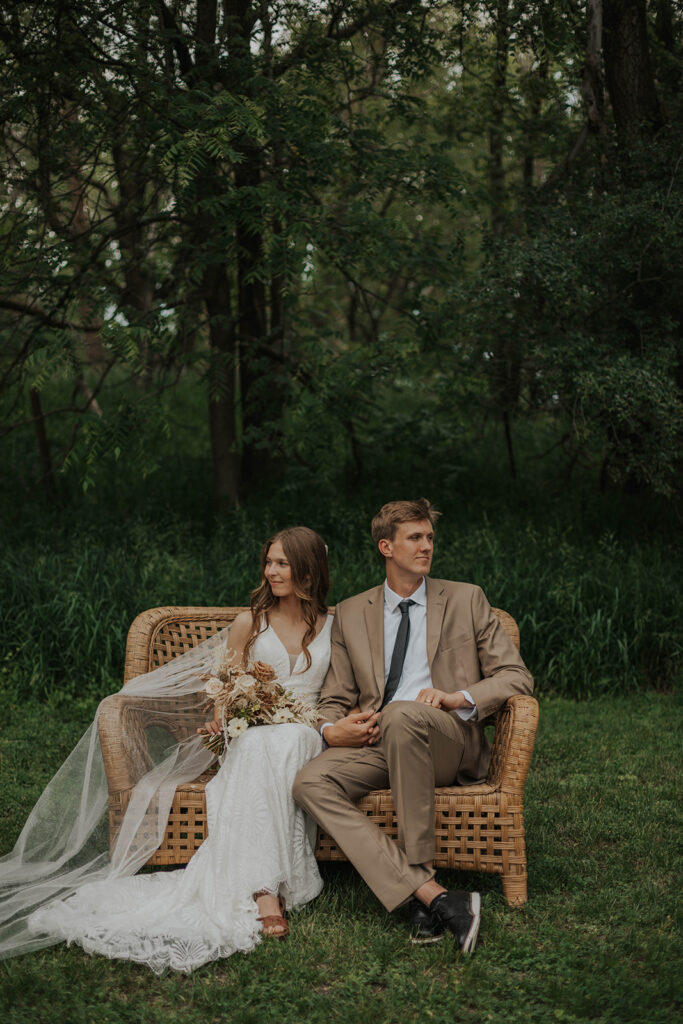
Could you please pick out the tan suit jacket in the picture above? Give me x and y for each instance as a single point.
(467, 649)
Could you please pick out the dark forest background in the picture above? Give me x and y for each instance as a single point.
(266, 263)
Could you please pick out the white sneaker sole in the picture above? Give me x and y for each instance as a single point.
(417, 941)
(471, 937)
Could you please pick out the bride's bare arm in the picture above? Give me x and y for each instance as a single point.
(239, 634)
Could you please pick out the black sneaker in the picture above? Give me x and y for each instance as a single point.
(425, 926)
(460, 912)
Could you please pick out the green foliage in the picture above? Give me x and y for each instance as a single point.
(320, 215)
(638, 406)
(602, 917)
(579, 317)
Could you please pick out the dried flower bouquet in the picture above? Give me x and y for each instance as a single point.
(246, 696)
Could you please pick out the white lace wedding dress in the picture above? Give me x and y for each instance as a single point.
(258, 839)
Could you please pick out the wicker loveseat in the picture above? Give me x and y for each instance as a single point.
(478, 828)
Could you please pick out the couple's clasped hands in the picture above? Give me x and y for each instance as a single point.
(357, 729)
(360, 728)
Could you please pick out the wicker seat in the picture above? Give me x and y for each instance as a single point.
(478, 828)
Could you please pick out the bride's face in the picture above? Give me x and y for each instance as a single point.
(278, 571)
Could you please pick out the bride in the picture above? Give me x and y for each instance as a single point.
(258, 856)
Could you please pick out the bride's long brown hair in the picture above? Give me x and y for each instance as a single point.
(307, 556)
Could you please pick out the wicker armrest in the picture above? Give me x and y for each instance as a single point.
(513, 743)
(122, 723)
(124, 762)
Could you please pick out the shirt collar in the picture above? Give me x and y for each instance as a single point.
(392, 599)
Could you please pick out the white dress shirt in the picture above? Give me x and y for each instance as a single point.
(415, 675)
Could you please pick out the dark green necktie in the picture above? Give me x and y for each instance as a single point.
(399, 653)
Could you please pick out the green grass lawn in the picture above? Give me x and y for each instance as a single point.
(597, 941)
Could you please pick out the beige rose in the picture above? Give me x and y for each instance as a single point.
(213, 686)
(263, 672)
(243, 684)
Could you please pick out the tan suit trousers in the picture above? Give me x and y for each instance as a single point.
(420, 747)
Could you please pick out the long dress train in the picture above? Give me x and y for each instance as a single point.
(257, 839)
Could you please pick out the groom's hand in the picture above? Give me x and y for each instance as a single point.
(441, 699)
(359, 729)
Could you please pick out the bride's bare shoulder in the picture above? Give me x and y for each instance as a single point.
(242, 619)
(240, 627)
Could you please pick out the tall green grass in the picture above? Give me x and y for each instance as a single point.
(593, 580)
(598, 614)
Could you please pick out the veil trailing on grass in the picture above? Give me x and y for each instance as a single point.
(92, 824)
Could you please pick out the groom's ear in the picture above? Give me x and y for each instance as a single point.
(385, 547)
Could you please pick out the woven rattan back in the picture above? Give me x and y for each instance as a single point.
(160, 634)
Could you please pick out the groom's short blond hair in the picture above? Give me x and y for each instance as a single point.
(391, 515)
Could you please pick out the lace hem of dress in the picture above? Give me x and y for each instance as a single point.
(163, 950)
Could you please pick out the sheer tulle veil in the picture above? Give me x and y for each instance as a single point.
(66, 841)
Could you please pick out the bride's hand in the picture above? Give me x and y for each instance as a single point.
(213, 728)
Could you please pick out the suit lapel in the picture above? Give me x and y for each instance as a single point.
(374, 621)
(436, 607)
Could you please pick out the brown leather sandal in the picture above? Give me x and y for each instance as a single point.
(274, 920)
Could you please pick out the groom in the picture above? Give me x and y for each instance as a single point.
(425, 661)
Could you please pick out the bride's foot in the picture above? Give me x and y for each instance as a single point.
(271, 915)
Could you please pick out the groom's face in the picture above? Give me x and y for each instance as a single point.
(412, 548)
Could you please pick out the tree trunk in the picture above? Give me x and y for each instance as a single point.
(664, 25)
(507, 429)
(278, 312)
(137, 295)
(497, 118)
(506, 362)
(222, 385)
(259, 397)
(215, 285)
(530, 164)
(592, 91)
(48, 476)
(630, 81)
(592, 88)
(258, 400)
